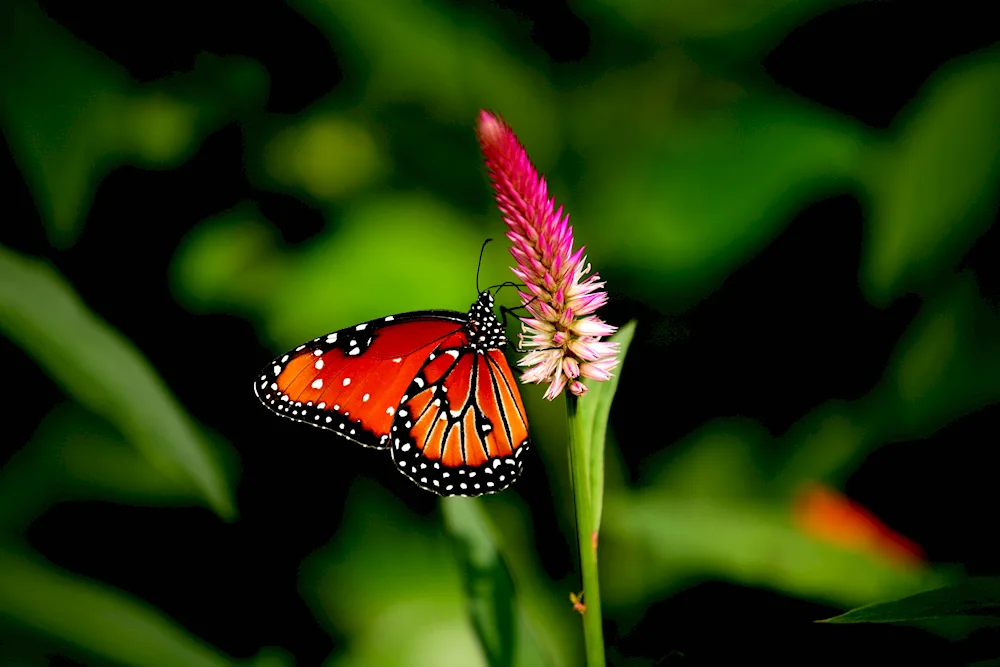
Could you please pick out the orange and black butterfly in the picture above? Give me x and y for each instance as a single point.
(432, 386)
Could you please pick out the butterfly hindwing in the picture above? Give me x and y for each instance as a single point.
(351, 381)
(460, 428)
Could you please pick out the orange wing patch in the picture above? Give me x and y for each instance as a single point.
(461, 429)
(512, 433)
(351, 381)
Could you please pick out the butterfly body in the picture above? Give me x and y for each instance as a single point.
(431, 386)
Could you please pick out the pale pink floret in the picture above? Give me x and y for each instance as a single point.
(562, 334)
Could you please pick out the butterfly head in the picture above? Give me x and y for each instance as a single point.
(485, 330)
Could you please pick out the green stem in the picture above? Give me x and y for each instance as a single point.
(593, 632)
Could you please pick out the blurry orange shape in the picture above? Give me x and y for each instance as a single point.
(578, 604)
(828, 515)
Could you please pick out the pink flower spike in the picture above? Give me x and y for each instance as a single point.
(562, 335)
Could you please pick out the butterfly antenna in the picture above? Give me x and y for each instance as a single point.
(481, 250)
(506, 284)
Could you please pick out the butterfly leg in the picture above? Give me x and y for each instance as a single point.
(503, 315)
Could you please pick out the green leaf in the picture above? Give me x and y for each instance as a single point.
(488, 584)
(658, 541)
(93, 620)
(384, 574)
(975, 597)
(496, 613)
(946, 364)
(387, 571)
(594, 410)
(937, 191)
(76, 455)
(101, 369)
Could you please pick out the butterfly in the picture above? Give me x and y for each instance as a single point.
(432, 386)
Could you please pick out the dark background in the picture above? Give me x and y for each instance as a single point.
(786, 330)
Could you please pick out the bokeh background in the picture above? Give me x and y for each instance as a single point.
(795, 200)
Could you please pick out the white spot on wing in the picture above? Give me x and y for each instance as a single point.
(317, 384)
(390, 318)
(332, 338)
(453, 353)
(277, 370)
(347, 381)
(365, 398)
(319, 364)
(361, 327)
(390, 410)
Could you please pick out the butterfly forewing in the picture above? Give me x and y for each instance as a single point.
(461, 429)
(351, 381)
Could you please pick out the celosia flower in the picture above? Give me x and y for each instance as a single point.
(562, 334)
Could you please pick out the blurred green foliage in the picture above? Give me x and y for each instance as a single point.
(71, 115)
(90, 620)
(675, 175)
(100, 369)
(934, 183)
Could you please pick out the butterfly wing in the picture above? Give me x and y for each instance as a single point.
(461, 428)
(351, 381)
